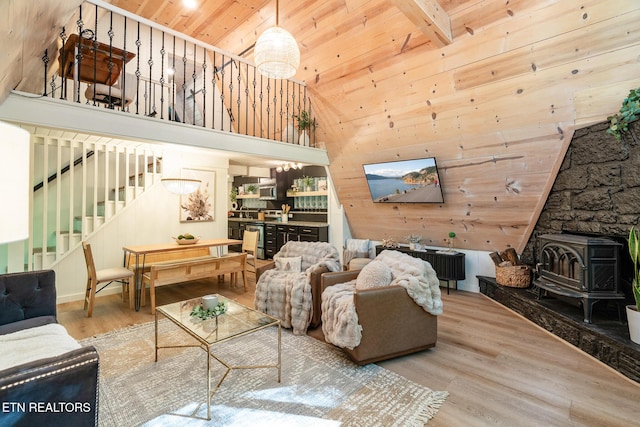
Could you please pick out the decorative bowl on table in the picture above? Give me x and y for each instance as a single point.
(186, 239)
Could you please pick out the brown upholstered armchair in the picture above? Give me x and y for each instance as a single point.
(391, 322)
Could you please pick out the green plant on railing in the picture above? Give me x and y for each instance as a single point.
(634, 252)
(304, 120)
(233, 195)
(629, 112)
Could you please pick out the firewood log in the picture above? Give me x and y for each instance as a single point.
(495, 256)
(510, 254)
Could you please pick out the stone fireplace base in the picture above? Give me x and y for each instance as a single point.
(605, 338)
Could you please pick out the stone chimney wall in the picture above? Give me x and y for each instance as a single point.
(597, 190)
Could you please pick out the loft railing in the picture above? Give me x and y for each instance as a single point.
(110, 58)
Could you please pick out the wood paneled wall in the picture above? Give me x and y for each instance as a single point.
(497, 108)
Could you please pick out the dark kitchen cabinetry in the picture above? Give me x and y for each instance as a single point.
(270, 244)
(277, 235)
(236, 230)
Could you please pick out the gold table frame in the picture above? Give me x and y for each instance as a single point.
(238, 321)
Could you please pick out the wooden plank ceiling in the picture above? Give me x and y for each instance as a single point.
(492, 88)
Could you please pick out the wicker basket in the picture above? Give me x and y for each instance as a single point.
(515, 276)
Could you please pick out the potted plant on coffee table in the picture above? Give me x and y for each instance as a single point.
(633, 311)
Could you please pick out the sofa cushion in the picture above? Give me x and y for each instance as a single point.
(27, 294)
(374, 275)
(289, 264)
(35, 343)
(26, 323)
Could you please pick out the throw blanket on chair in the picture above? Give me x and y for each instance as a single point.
(339, 317)
(287, 295)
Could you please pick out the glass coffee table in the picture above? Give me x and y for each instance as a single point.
(236, 322)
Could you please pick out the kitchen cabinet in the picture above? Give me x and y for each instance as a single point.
(270, 245)
(278, 235)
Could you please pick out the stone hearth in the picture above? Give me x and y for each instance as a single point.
(605, 338)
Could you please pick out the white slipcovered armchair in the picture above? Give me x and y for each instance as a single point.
(357, 253)
(289, 287)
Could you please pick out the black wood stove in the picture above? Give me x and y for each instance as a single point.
(581, 268)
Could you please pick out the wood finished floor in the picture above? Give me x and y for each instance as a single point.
(500, 369)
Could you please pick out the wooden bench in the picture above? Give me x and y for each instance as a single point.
(164, 257)
(170, 272)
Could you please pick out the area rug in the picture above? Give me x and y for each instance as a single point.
(320, 386)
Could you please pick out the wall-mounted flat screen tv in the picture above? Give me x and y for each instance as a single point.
(404, 181)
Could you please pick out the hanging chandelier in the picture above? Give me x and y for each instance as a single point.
(276, 54)
(181, 185)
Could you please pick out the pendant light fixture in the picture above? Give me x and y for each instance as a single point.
(276, 54)
(181, 185)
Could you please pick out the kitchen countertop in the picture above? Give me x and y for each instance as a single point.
(276, 222)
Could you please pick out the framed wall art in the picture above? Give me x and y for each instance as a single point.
(198, 206)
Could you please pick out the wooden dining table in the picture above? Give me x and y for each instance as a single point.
(140, 252)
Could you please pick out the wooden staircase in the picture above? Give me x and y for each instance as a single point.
(73, 202)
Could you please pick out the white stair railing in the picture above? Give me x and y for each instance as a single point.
(85, 183)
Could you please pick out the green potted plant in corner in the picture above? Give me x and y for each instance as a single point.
(308, 183)
(633, 311)
(304, 123)
(629, 112)
(233, 196)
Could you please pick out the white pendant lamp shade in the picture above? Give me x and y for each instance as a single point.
(276, 54)
(14, 183)
(181, 185)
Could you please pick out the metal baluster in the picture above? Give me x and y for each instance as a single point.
(246, 102)
(254, 101)
(193, 76)
(111, 63)
(261, 106)
(222, 72)
(123, 95)
(230, 94)
(239, 100)
(204, 88)
(151, 112)
(162, 52)
(78, 57)
(45, 60)
(184, 82)
(138, 73)
(173, 85)
(63, 85)
(275, 108)
(213, 96)
(268, 105)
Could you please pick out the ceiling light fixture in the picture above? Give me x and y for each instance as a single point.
(181, 185)
(286, 166)
(190, 4)
(276, 54)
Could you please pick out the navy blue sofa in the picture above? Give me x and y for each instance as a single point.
(55, 391)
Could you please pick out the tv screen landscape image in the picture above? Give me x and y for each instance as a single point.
(405, 181)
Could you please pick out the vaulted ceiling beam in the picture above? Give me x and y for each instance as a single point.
(430, 18)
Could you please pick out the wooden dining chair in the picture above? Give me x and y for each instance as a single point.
(104, 276)
(249, 247)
